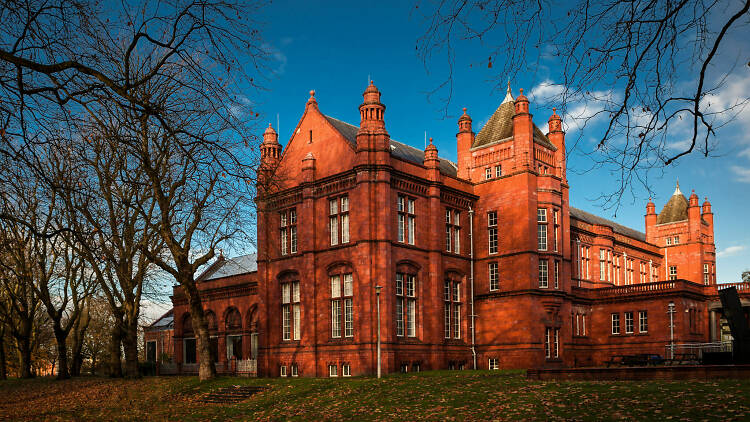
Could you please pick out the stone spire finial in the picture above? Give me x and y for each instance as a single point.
(508, 95)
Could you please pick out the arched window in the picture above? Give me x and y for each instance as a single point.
(233, 320)
(187, 325)
(211, 320)
(233, 323)
(188, 342)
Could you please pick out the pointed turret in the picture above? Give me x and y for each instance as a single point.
(675, 209)
(464, 141)
(556, 135)
(523, 133)
(372, 111)
(650, 220)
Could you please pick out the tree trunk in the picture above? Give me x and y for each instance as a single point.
(3, 367)
(79, 334)
(206, 367)
(130, 344)
(115, 364)
(23, 344)
(62, 352)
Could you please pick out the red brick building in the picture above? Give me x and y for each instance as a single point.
(483, 262)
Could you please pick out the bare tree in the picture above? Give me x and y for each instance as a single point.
(649, 70)
(168, 81)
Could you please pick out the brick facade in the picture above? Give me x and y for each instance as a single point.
(344, 209)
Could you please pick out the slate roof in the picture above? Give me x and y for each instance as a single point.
(674, 210)
(398, 149)
(500, 126)
(234, 266)
(164, 322)
(617, 228)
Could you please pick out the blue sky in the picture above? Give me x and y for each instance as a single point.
(333, 47)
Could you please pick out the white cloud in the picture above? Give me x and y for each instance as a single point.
(742, 174)
(546, 91)
(731, 250)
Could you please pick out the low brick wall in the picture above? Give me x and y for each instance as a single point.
(641, 373)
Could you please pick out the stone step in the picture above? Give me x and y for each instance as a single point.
(228, 395)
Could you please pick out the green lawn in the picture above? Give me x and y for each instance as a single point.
(435, 395)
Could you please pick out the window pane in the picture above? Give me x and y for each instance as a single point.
(411, 206)
(297, 321)
(285, 293)
(282, 236)
(333, 207)
(493, 270)
(334, 227)
(447, 291)
(344, 203)
(410, 281)
(335, 286)
(399, 316)
(411, 230)
(401, 222)
(345, 228)
(292, 216)
(542, 236)
(401, 203)
(293, 239)
(286, 322)
(541, 215)
(348, 285)
(348, 318)
(457, 321)
(457, 240)
(336, 318)
(447, 320)
(283, 219)
(411, 310)
(447, 216)
(295, 291)
(456, 292)
(448, 238)
(399, 284)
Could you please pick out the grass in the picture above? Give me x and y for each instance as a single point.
(434, 395)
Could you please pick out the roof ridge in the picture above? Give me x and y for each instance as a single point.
(616, 227)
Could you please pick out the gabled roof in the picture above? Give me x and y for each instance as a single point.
(398, 149)
(233, 266)
(500, 126)
(617, 228)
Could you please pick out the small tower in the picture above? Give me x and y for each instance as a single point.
(523, 133)
(650, 221)
(372, 135)
(556, 135)
(431, 162)
(464, 140)
(707, 214)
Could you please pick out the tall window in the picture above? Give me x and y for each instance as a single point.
(498, 170)
(290, 311)
(494, 276)
(644, 272)
(452, 311)
(541, 219)
(557, 274)
(706, 275)
(406, 219)
(543, 273)
(338, 219)
(669, 241)
(552, 343)
(406, 305)
(556, 222)
(602, 264)
(452, 230)
(488, 173)
(342, 293)
(288, 231)
(615, 323)
(585, 259)
(616, 274)
(672, 272)
(629, 270)
(643, 321)
(492, 231)
(628, 322)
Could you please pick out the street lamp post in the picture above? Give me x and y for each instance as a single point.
(671, 311)
(377, 294)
